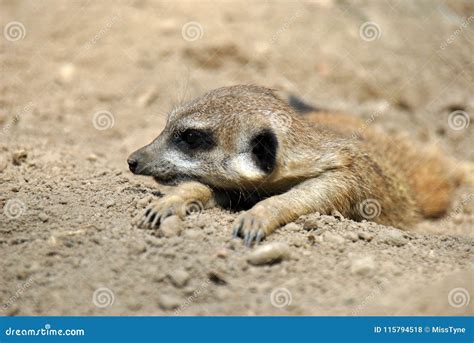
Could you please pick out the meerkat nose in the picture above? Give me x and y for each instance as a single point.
(132, 164)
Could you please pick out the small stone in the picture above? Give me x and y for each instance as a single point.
(43, 217)
(110, 203)
(352, 236)
(333, 238)
(223, 294)
(362, 265)
(179, 278)
(137, 248)
(171, 226)
(92, 157)
(393, 237)
(366, 236)
(291, 227)
(269, 253)
(192, 233)
(19, 157)
(143, 202)
(311, 223)
(222, 253)
(66, 73)
(458, 218)
(15, 189)
(3, 164)
(147, 98)
(168, 301)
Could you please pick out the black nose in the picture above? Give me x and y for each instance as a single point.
(132, 164)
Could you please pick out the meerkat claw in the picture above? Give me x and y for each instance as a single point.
(260, 236)
(249, 238)
(236, 230)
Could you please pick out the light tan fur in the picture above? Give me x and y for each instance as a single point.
(324, 162)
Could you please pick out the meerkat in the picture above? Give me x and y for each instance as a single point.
(245, 147)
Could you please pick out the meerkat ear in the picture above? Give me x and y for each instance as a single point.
(264, 149)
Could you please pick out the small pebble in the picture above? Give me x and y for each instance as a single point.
(110, 203)
(222, 253)
(291, 227)
(19, 157)
(171, 226)
(143, 202)
(366, 236)
(92, 157)
(333, 238)
(43, 217)
(147, 98)
(179, 278)
(192, 233)
(137, 248)
(168, 301)
(362, 265)
(393, 237)
(269, 253)
(3, 164)
(66, 73)
(352, 236)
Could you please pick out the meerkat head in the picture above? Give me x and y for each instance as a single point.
(229, 138)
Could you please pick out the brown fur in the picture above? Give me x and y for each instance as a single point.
(325, 162)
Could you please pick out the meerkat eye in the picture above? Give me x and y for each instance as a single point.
(192, 139)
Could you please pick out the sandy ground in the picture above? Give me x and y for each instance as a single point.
(84, 83)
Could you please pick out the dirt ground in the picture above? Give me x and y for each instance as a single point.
(85, 83)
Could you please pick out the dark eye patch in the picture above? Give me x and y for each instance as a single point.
(264, 149)
(192, 139)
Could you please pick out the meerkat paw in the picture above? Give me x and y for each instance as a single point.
(162, 208)
(252, 226)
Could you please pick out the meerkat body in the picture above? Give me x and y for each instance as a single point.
(244, 145)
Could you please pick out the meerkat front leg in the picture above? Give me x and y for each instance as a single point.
(321, 194)
(180, 201)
